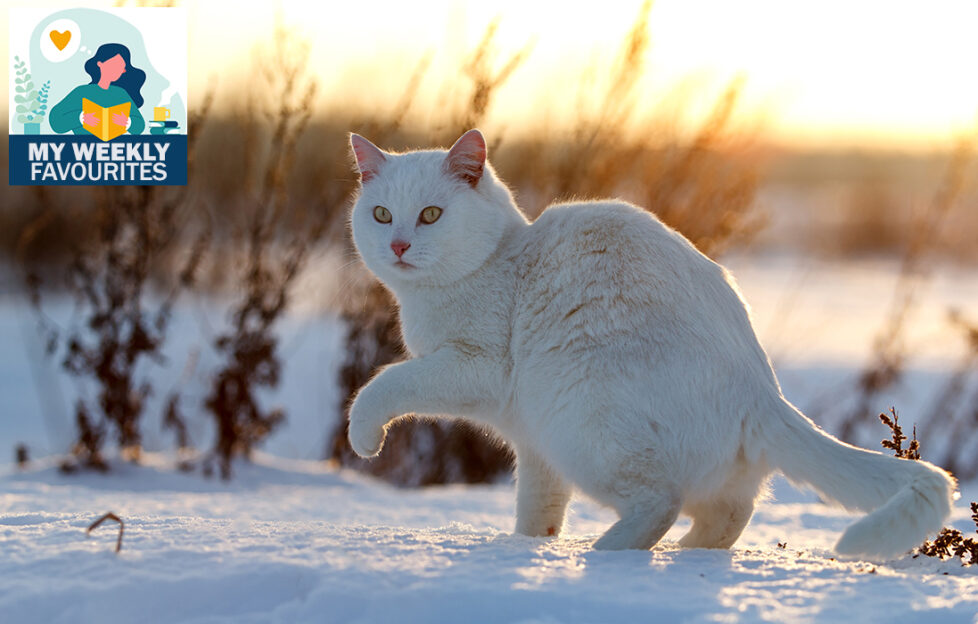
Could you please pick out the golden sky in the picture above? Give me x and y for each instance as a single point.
(863, 73)
(856, 72)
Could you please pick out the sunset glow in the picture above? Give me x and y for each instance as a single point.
(817, 73)
(820, 73)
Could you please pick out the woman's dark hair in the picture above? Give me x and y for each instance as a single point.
(132, 81)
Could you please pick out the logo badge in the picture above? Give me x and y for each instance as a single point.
(99, 97)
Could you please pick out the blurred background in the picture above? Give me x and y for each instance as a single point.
(823, 151)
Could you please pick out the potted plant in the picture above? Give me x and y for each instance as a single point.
(32, 104)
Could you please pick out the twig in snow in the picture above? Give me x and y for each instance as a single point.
(109, 516)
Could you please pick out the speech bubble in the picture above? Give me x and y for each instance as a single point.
(60, 40)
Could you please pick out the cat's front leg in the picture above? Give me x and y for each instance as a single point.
(446, 381)
(371, 411)
(541, 495)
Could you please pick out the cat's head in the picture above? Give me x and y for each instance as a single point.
(428, 217)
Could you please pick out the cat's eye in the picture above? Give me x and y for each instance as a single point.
(382, 215)
(430, 214)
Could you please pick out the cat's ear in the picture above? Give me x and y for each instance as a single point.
(369, 157)
(467, 158)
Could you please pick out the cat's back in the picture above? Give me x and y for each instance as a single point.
(609, 277)
(582, 228)
(606, 256)
(585, 231)
(618, 319)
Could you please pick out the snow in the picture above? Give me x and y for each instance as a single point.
(294, 540)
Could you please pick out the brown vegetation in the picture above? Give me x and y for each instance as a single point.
(271, 182)
(890, 352)
(895, 443)
(949, 542)
(273, 257)
(110, 279)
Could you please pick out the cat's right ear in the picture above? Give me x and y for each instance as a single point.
(467, 158)
(369, 157)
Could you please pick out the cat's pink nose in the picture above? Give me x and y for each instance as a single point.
(399, 247)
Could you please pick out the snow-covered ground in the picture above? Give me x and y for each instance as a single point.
(291, 540)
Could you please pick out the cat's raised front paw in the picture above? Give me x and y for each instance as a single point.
(366, 439)
(366, 433)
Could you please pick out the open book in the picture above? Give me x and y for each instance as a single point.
(106, 129)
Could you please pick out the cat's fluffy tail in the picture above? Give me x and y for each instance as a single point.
(907, 500)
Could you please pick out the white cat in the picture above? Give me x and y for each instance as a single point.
(609, 352)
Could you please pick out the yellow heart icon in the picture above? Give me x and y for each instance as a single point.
(60, 39)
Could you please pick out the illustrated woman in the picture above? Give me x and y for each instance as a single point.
(114, 81)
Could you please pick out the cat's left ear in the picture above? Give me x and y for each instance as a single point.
(467, 158)
(369, 157)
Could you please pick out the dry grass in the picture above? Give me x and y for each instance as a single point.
(889, 352)
(895, 443)
(949, 542)
(275, 252)
(272, 181)
(955, 410)
(122, 329)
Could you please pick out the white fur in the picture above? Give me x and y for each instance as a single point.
(613, 356)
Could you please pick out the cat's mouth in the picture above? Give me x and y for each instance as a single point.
(404, 265)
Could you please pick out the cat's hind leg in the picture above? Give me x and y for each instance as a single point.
(541, 495)
(643, 522)
(718, 521)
